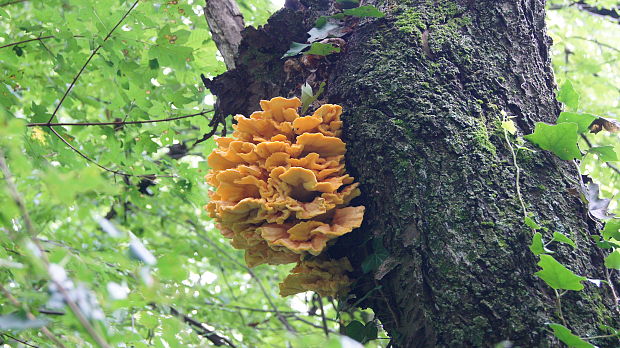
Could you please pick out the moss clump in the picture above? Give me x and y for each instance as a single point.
(487, 224)
(410, 22)
(481, 136)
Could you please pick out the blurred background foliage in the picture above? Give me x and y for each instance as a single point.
(137, 254)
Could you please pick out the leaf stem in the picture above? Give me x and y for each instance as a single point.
(517, 172)
(559, 306)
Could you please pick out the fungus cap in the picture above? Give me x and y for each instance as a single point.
(281, 191)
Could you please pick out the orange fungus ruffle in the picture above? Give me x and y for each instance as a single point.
(326, 277)
(282, 191)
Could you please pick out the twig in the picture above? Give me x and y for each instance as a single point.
(594, 41)
(115, 123)
(312, 324)
(387, 302)
(323, 320)
(28, 40)
(17, 198)
(201, 330)
(559, 306)
(260, 310)
(12, 3)
(613, 290)
(77, 76)
(18, 340)
(517, 172)
(597, 337)
(117, 172)
(29, 314)
(278, 314)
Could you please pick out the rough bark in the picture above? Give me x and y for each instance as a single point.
(424, 90)
(226, 23)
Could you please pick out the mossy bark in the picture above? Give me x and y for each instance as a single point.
(424, 91)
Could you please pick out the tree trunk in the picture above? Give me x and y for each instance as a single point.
(424, 91)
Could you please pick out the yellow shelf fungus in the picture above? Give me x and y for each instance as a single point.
(282, 192)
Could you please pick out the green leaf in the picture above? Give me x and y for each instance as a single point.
(371, 331)
(568, 95)
(360, 332)
(537, 247)
(612, 229)
(295, 49)
(613, 260)
(364, 11)
(322, 49)
(560, 237)
(566, 336)
(560, 139)
(557, 276)
(319, 33)
(308, 97)
(509, 126)
(321, 21)
(378, 256)
(355, 330)
(604, 153)
(583, 121)
(531, 223)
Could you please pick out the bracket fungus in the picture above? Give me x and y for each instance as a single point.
(281, 192)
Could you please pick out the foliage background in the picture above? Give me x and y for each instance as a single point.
(150, 69)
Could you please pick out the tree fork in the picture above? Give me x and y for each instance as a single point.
(424, 91)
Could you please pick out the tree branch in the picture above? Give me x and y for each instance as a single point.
(28, 40)
(226, 22)
(115, 123)
(610, 13)
(12, 3)
(277, 312)
(18, 340)
(88, 61)
(17, 304)
(201, 330)
(117, 172)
